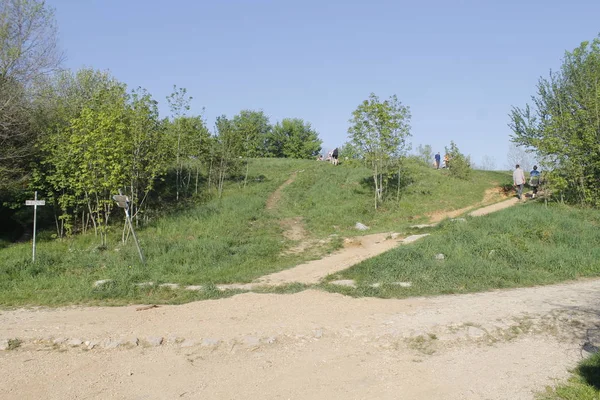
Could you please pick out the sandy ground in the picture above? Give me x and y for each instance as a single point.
(309, 345)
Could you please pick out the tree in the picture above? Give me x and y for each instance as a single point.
(379, 131)
(253, 128)
(227, 147)
(425, 154)
(459, 165)
(563, 125)
(488, 163)
(518, 155)
(293, 138)
(28, 51)
(179, 103)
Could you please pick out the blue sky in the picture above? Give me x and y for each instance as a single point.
(459, 64)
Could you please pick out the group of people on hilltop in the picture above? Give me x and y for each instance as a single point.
(332, 157)
(438, 159)
(519, 180)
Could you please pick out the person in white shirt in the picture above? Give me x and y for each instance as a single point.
(519, 180)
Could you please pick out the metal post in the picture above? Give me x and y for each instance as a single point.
(34, 224)
(137, 244)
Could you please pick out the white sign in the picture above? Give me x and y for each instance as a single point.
(35, 202)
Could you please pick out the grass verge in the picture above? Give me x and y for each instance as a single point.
(521, 246)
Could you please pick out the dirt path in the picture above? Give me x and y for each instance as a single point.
(309, 345)
(276, 195)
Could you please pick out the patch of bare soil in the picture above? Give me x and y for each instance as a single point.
(293, 229)
(309, 345)
(312, 272)
(276, 195)
(491, 195)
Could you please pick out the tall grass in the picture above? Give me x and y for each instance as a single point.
(521, 246)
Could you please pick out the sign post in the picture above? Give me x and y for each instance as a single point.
(35, 203)
(123, 202)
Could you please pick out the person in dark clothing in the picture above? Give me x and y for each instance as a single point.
(334, 156)
(438, 159)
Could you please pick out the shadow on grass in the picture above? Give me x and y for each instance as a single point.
(591, 373)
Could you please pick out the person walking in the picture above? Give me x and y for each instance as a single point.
(438, 158)
(334, 156)
(518, 180)
(534, 180)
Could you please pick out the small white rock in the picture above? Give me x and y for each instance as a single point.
(210, 342)
(75, 342)
(154, 340)
(440, 256)
(361, 227)
(102, 282)
(3, 344)
(402, 284)
(344, 282)
(171, 286)
(188, 343)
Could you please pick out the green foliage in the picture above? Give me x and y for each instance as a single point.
(379, 130)
(563, 125)
(425, 154)
(459, 165)
(293, 138)
(520, 246)
(253, 128)
(99, 139)
(28, 51)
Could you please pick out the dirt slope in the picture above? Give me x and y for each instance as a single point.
(310, 345)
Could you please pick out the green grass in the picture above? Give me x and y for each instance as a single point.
(332, 199)
(583, 385)
(521, 246)
(233, 239)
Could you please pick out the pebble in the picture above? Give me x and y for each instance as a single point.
(111, 343)
(414, 238)
(75, 342)
(251, 340)
(188, 343)
(194, 287)
(344, 282)
(3, 344)
(171, 286)
(361, 227)
(102, 282)
(440, 256)
(210, 342)
(154, 340)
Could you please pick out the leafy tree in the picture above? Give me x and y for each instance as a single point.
(459, 165)
(425, 154)
(563, 125)
(518, 155)
(379, 131)
(227, 149)
(253, 128)
(179, 103)
(293, 138)
(488, 163)
(28, 50)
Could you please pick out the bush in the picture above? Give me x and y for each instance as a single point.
(459, 165)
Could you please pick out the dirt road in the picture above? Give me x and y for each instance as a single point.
(309, 345)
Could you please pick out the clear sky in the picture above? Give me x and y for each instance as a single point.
(459, 64)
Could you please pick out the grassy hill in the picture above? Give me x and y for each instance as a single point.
(233, 239)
